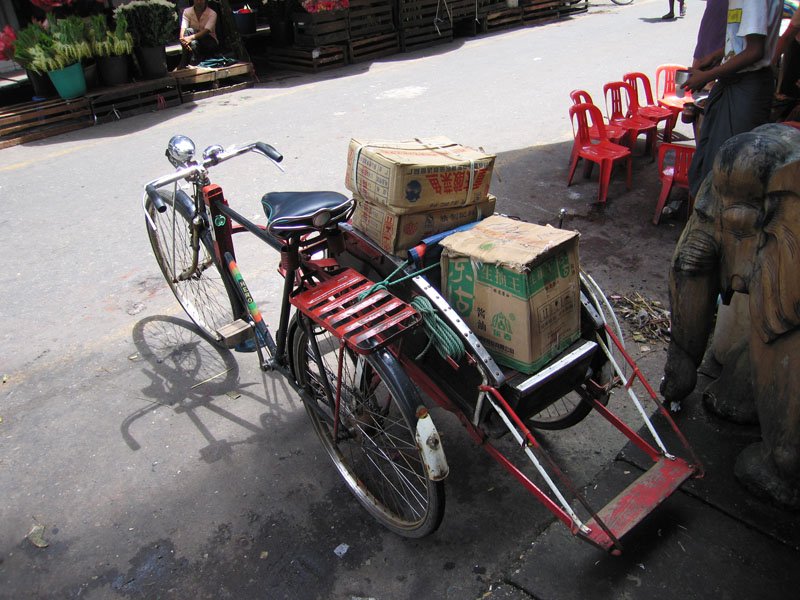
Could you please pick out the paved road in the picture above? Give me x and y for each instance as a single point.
(162, 467)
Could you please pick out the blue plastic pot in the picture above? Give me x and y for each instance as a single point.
(69, 82)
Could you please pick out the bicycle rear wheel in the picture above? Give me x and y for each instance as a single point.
(375, 450)
(203, 290)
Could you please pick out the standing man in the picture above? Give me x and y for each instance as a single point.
(742, 97)
(198, 35)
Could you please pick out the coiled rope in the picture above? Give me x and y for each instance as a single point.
(440, 335)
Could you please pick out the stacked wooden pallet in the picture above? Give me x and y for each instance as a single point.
(423, 23)
(571, 7)
(312, 30)
(371, 30)
(197, 83)
(502, 18)
(540, 10)
(308, 60)
(112, 104)
(31, 121)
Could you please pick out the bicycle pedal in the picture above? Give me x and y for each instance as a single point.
(233, 334)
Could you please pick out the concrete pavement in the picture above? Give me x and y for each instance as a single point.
(162, 467)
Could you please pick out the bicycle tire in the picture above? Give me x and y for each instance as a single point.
(206, 295)
(622, 2)
(574, 407)
(375, 451)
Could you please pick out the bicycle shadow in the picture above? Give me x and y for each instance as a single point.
(193, 377)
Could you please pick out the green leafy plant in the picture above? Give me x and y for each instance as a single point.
(105, 42)
(152, 23)
(69, 45)
(64, 43)
(32, 43)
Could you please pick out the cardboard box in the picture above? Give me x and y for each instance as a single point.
(418, 175)
(397, 233)
(517, 286)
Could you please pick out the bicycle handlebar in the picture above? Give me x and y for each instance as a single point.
(209, 161)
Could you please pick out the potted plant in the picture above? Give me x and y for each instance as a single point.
(152, 23)
(59, 54)
(112, 48)
(18, 46)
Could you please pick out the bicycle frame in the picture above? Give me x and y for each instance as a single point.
(317, 266)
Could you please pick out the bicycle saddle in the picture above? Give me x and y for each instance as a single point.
(302, 212)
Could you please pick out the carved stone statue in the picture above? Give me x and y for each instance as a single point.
(742, 242)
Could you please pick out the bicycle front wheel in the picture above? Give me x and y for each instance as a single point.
(374, 449)
(200, 287)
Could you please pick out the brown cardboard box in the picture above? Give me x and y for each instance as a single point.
(418, 175)
(517, 286)
(397, 233)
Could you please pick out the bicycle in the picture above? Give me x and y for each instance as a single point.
(358, 355)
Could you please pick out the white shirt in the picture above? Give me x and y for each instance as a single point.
(753, 17)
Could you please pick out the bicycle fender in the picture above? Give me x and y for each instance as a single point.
(430, 445)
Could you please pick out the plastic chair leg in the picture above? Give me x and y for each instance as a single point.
(666, 187)
(652, 139)
(605, 178)
(629, 175)
(588, 167)
(668, 125)
(572, 166)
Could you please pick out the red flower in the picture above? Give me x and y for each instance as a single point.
(315, 6)
(7, 39)
(48, 5)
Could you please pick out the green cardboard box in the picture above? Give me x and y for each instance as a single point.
(517, 285)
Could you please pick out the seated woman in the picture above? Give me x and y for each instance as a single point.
(198, 35)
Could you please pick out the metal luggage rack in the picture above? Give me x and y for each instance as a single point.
(349, 306)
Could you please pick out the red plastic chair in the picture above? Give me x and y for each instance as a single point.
(665, 91)
(599, 150)
(649, 109)
(622, 109)
(675, 174)
(613, 132)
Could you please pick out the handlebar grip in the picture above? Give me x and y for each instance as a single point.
(155, 198)
(269, 151)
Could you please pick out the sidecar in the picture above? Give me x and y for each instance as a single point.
(493, 401)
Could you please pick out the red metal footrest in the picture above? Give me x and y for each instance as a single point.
(365, 325)
(638, 500)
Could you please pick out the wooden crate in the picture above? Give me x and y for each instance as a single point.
(423, 23)
(414, 38)
(463, 9)
(30, 121)
(502, 19)
(112, 104)
(540, 10)
(412, 10)
(307, 60)
(313, 30)
(373, 47)
(369, 18)
(491, 6)
(197, 83)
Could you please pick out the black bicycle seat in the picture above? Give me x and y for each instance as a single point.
(302, 212)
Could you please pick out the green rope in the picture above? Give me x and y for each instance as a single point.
(440, 335)
(444, 339)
